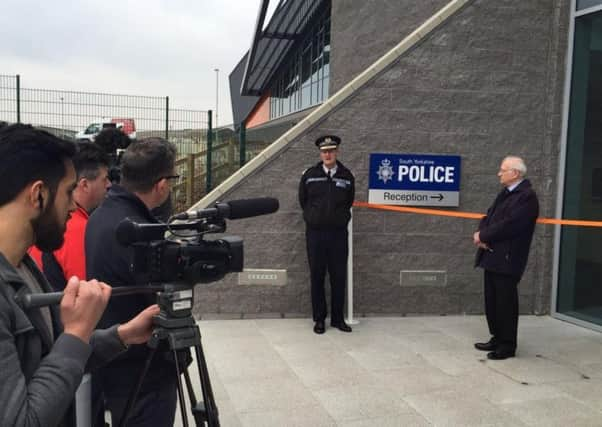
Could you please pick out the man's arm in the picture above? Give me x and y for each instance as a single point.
(352, 192)
(44, 399)
(109, 343)
(520, 218)
(302, 192)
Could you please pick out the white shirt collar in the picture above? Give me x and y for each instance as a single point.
(513, 186)
(327, 171)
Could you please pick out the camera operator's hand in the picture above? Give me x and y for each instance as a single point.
(139, 329)
(82, 306)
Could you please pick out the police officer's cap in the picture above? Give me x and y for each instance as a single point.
(328, 142)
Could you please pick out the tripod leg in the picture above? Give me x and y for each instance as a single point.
(211, 408)
(180, 389)
(191, 394)
(134, 394)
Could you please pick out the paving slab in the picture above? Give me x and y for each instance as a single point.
(401, 371)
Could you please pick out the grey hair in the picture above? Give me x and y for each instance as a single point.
(517, 164)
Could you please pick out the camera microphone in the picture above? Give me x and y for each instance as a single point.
(128, 231)
(235, 209)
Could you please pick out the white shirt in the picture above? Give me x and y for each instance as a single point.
(329, 172)
(513, 186)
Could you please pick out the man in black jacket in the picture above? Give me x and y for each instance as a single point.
(147, 168)
(326, 193)
(503, 240)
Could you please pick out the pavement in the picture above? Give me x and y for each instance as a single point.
(403, 371)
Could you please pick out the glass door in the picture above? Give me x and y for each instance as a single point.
(580, 263)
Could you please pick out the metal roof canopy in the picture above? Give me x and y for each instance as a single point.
(271, 45)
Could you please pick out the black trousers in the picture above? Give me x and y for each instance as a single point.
(327, 250)
(501, 309)
(156, 402)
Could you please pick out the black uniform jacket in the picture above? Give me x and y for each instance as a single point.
(507, 230)
(326, 201)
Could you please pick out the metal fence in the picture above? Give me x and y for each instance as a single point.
(68, 114)
(230, 150)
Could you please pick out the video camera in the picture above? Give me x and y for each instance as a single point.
(185, 256)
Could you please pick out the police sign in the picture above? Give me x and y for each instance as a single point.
(414, 180)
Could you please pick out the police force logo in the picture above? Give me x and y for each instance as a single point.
(385, 171)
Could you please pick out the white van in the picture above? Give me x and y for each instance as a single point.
(89, 134)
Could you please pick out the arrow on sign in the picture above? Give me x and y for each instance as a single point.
(440, 197)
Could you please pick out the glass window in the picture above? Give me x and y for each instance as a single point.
(584, 4)
(580, 267)
(92, 129)
(303, 80)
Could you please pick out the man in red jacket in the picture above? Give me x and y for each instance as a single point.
(503, 240)
(92, 168)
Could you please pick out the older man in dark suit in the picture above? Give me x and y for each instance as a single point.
(503, 240)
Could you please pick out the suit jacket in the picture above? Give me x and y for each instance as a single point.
(508, 230)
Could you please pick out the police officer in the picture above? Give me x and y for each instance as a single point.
(326, 193)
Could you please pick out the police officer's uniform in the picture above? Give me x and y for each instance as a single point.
(326, 199)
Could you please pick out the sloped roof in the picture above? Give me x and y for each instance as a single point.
(270, 45)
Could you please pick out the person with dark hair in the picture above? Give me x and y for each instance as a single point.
(113, 141)
(91, 167)
(44, 351)
(147, 170)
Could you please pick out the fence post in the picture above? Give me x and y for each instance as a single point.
(167, 118)
(242, 137)
(190, 180)
(231, 150)
(18, 98)
(209, 149)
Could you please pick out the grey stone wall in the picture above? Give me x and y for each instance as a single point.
(362, 31)
(486, 84)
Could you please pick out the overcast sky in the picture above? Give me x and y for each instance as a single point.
(134, 47)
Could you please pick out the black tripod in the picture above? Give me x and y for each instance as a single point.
(177, 328)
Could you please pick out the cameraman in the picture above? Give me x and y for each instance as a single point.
(113, 141)
(43, 354)
(147, 168)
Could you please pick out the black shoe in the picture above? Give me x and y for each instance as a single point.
(490, 345)
(500, 355)
(319, 327)
(341, 326)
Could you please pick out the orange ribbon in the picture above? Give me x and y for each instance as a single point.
(470, 215)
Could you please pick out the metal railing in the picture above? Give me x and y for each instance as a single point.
(67, 113)
(230, 150)
(206, 156)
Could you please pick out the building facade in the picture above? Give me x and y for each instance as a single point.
(489, 80)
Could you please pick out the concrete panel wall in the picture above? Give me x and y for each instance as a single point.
(487, 84)
(362, 31)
